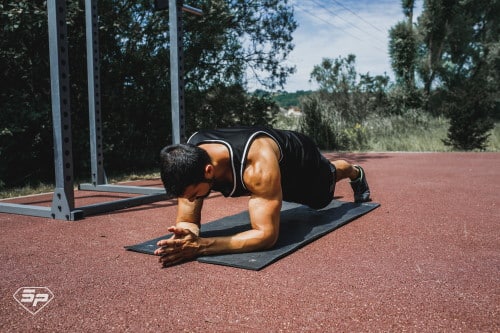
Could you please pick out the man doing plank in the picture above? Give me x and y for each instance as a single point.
(266, 164)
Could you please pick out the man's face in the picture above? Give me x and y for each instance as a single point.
(198, 191)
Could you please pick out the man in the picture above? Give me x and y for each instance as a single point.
(266, 164)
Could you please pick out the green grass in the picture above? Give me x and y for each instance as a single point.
(139, 175)
(26, 190)
(45, 188)
(417, 134)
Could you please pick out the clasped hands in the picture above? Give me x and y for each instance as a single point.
(182, 246)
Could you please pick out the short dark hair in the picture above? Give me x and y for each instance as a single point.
(182, 165)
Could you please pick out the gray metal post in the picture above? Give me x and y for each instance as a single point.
(177, 71)
(94, 92)
(63, 201)
(99, 182)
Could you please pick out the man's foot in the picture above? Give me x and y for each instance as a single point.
(360, 187)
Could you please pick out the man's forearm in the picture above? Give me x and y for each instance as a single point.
(248, 241)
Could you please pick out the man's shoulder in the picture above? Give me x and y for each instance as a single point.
(262, 147)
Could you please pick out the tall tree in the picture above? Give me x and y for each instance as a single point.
(403, 54)
(461, 42)
(433, 27)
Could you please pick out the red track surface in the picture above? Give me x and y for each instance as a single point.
(427, 260)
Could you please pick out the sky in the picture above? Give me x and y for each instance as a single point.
(333, 28)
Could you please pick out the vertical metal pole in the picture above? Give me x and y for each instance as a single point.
(94, 92)
(63, 201)
(177, 71)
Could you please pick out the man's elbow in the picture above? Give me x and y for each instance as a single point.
(269, 240)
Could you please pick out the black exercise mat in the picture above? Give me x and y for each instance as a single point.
(299, 226)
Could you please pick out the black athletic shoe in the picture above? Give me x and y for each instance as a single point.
(360, 187)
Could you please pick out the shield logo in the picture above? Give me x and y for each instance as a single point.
(33, 299)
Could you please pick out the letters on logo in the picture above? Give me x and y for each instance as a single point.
(33, 299)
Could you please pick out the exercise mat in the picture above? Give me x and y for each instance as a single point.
(299, 226)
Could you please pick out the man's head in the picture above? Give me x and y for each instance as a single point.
(182, 165)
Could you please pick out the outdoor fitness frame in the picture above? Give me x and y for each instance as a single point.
(63, 201)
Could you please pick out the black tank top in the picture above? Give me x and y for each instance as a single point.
(303, 168)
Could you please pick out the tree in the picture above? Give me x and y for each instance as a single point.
(353, 95)
(25, 121)
(334, 115)
(231, 39)
(237, 37)
(226, 106)
(461, 48)
(234, 42)
(403, 54)
(432, 27)
(470, 122)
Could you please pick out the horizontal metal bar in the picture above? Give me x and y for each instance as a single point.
(121, 189)
(192, 10)
(80, 212)
(38, 211)
(31, 210)
(104, 207)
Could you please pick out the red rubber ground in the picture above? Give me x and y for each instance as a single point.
(427, 260)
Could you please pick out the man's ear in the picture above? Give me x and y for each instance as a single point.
(209, 171)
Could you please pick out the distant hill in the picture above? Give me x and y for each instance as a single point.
(287, 100)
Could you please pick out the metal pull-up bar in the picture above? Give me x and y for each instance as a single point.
(192, 10)
(164, 4)
(177, 64)
(63, 201)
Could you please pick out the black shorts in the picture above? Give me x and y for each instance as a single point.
(307, 177)
(314, 187)
(324, 188)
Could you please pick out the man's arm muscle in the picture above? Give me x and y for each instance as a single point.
(262, 178)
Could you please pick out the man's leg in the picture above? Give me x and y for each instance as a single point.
(345, 170)
(357, 176)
